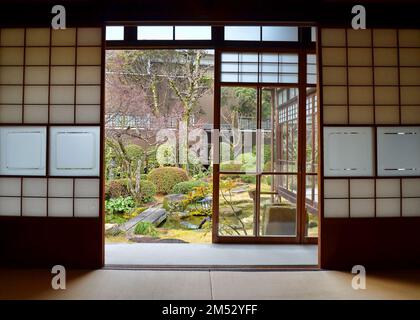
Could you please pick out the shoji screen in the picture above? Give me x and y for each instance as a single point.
(371, 129)
(50, 137)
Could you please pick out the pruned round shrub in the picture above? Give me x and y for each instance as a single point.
(119, 188)
(165, 178)
(188, 186)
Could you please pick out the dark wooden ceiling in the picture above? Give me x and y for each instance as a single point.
(381, 13)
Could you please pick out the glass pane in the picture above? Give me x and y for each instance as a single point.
(114, 33)
(192, 33)
(311, 68)
(237, 205)
(311, 131)
(238, 119)
(311, 206)
(278, 205)
(242, 33)
(155, 33)
(279, 125)
(279, 33)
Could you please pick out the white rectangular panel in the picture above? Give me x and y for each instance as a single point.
(411, 207)
(388, 188)
(34, 207)
(10, 187)
(60, 207)
(411, 188)
(336, 188)
(74, 151)
(388, 208)
(86, 208)
(9, 206)
(60, 187)
(362, 188)
(336, 208)
(362, 208)
(34, 187)
(398, 151)
(348, 151)
(87, 188)
(22, 150)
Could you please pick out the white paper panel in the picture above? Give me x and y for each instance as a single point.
(22, 150)
(63, 56)
(394, 142)
(87, 188)
(74, 151)
(410, 95)
(11, 94)
(62, 94)
(388, 188)
(336, 188)
(37, 75)
(89, 56)
(36, 113)
(411, 207)
(60, 207)
(385, 56)
(362, 208)
(38, 37)
(62, 75)
(336, 208)
(385, 38)
(36, 95)
(60, 187)
(388, 208)
(9, 206)
(11, 56)
(348, 151)
(10, 114)
(333, 37)
(88, 114)
(409, 37)
(63, 37)
(12, 37)
(359, 38)
(335, 95)
(10, 187)
(362, 188)
(62, 114)
(37, 56)
(359, 56)
(89, 36)
(86, 207)
(335, 114)
(34, 187)
(411, 188)
(34, 207)
(88, 75)
(410, 57)
(11, 75)
(88, 94)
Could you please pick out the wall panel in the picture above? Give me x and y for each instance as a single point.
(51, 79)
(374, 83)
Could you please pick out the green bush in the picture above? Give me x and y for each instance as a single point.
(119, 205)
(116, 189)
(248, 178)
(267, 166)
(166, 155)
(166, 178)
(148, 190)
(145, 229)
(230, 166)
(247, 159)
(119, 188)
(188, 186)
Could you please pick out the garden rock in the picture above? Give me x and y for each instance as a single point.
(112, 229)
